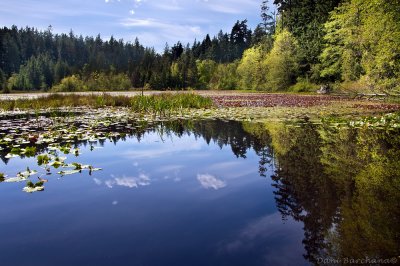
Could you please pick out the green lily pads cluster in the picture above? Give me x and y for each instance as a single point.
(47, 162)
(21, 176)
(50, 135)
(33, 187)
(389, 121)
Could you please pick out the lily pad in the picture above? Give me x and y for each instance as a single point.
(56, 164)
(27, 173)
(43, 159)
(10, 155)
(15, 179)
(32, 189)
(68, 172)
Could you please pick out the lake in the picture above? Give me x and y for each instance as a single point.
(203, 192)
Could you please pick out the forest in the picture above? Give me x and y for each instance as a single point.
(348, 44)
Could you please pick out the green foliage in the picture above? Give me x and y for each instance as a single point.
(164, 103)
(43, 159)
(363, 42)
(69, 84)
(331, 56)
(268, 18)
(323, 41)
(95, 82)
(36, 74)
(41, 59)
(225, 77)
(107, 82)
(3, 80)
(305, 19)
(160, 103)
(184, 72)
(282, 62)
(12, 82)
(303, 85)
(338, 181)
(30, 151)
(30, 184)
(381, 37)
(252, 69)
(206, 70)
(363, 164)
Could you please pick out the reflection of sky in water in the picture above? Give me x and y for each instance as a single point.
(208, 181)
(169, 201)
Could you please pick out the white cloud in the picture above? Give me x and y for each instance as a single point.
(159, 21)
(174, 6)
(232, 6)
(208, 181)
(225, 9)
(130, 182)
(97, 181)
(53, 10)
(158, 24)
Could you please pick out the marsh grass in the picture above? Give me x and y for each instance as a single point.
(159, 104)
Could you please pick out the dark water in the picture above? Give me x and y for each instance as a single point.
(212, 193)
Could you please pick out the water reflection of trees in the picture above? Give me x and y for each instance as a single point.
(303, 190)
(223, 133)
(343, 184)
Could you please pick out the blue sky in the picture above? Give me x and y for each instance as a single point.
(154, 22)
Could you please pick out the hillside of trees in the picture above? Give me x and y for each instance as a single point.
(352, 44)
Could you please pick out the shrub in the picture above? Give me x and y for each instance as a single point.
(303, 86)
(69, 84)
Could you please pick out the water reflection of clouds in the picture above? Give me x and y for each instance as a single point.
(124, 181)
(170, 168)
(171, 172)
(97, 181)
(233, 169)
(208, 181)
(157, 151)
(269, 229)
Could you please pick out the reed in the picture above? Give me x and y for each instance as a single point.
(160, 103)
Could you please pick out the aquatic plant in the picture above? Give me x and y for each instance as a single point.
(159, 103)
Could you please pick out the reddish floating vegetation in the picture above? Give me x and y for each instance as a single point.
(292, 100)
(273, 100)
(379, 106)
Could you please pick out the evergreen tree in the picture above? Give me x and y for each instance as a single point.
(305, 19)
(3, 80)
(268, 18)
(240, 39)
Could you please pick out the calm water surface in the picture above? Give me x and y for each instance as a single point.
(211, 193)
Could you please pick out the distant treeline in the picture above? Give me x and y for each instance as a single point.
(32, 59)
(351, 42)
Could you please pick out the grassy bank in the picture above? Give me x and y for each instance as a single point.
(160, 103)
